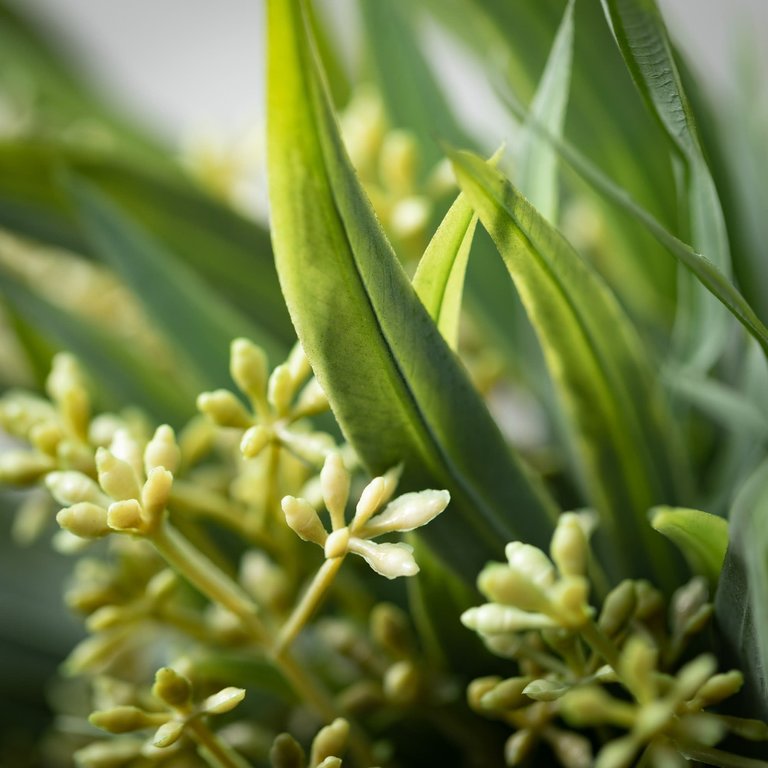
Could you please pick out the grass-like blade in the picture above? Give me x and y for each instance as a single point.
(439, 278)
(200, 325)
(121, 375)
(643, 41)
(536, 175)
(740, 606)
(600, 368)
(395, 386)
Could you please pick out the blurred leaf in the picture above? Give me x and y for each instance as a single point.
(536, 174)
(741, 609)
(121, 375)
(397, 390)
(230, 254)
(412, 96)
(642, 38)
(201, 326)
(439, 278)
(701, 537)
(598, 364)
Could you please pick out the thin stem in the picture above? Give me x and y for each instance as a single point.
(311, 599)
(603, 646)
(717, 757)
(208, 578)
(215, 751)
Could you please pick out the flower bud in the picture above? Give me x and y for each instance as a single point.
(122, 719)
(168, 733)
(74, 487)
(115, 753)
(693, 675)
(334, 481)
(85, 520)
(248, 368)
(224, 409)
(286, 752)
(531, 562)
(337, 543)
(162, 450)
(172, 688)
(617, 754)
(593, 706)
(156, 493)
(116, 476)
(545, 690)
(330, 741)
(569, 547)
(46, 437)
(407, 512)
(389, 560)
(303, 519)
(23, 467)
(370, 500)
(493, 619)
(280, 390)
(125, 515)
(298, 364)
(618, 608)
(719, 687)
(402, 682)
(66, 387)
(518, 746)
(311, 400)
(637, 665)
(223, 701)
(501, 584)
(390, 630)
(506, 695)
(255, 440)
(410, 216)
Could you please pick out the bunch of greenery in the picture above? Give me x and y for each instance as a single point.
(547, 447)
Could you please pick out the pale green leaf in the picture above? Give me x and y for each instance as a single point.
(700, 536)
(741, 609)
(599, 366)
(396, 388)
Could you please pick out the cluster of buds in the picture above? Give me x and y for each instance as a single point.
(279, 401)
(327, 746)
(405, 513)
(540, 616)
(132, 491)
(176, 716)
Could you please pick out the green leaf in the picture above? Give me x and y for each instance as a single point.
(600, 368)
(201, 326)
(741, 609)
(439, 278)
(395, 386)
(536, 174)
(642, 38)
(700, 536)
(121, 375)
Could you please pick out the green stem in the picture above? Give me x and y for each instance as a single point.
(311, 599)
(208, 578)
(603, 646)
(213, 749)
(717, 757)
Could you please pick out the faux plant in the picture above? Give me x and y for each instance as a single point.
(547, 447)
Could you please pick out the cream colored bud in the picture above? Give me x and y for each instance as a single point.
(618, 608)
(248, 367)
(372, 497)
(501, 584)
(569, 547)
(637, 664)
(298, 364)
(390, 629)
(407, 512)
(74, 487)
(531, 562)
(162, 450)
(23, 467)
(303, 519)
(744, 728)
(334, 481)
(402, 682)
(311, 400)
(156, 493)
(116, 477)
(223, 408)
(568, 598)
(545, 690)
(506, 646)
(518, 746)
(593, 706)
(255, 440)
(66, 386)
(619, 753)
(330, 762)
(196, 439)
(337, 543)
(115, 753)
(266, 581)
(650, 602)
(223, 701)
(127, 448)
(330, 741)
(719, 687)
(693, 675)
(85, 520)
(493, 619)
(388, 560)
(122, 719)
(398, 161)
(571, 749)
(172, 688)
(313, 447)
(162, 585)
(168, 734)
(410, 216)
(46, 437)
(478, 689)
(125, 515)
(286, 752)
(280, 389)
(108, 616)
(102, 429)
(506, 695)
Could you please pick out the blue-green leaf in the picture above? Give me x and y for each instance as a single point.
(396, 388)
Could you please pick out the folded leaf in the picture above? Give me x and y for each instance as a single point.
(600, 369)
(395, 386)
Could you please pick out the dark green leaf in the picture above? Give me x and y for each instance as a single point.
(396, 388)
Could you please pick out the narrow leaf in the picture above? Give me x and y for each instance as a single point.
(198, 322)
(396, 388)
(536, 174)
(644, 43)
(701, 537)
(599, 366)
(740, 605)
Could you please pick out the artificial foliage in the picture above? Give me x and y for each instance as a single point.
(457, 459)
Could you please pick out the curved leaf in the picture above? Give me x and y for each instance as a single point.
(642, 38)
(701, 537)
(740, 605)
(396, 388)
(598, 364)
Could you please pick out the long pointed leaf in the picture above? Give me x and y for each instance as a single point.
(740, 605)
(396, 388)
(642, 38)
(598, 364)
